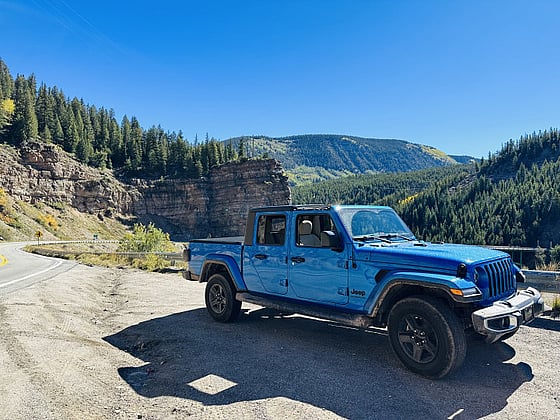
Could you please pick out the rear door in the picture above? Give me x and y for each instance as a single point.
(265, 262)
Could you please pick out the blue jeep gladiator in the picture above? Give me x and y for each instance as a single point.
(362, 266)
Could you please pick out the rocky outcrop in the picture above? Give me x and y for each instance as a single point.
(237, 187)
(40, 172)
(213, 206)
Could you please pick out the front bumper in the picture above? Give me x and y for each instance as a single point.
(506, 316)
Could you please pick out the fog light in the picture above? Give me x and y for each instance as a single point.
(499, 324)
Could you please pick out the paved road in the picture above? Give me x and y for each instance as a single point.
(19, 269)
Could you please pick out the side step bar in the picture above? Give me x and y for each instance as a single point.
(349, 319)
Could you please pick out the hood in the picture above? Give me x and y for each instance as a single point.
(425, 255)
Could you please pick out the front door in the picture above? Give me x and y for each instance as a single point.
(316, 273)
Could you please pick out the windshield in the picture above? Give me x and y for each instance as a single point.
(373, 223)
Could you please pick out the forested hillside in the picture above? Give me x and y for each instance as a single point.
(511, 198)
(310, 158)
(96, 138)
(383, 188)
(514, 199)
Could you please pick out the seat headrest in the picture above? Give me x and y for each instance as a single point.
(305, 227)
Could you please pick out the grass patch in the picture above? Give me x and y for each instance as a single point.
(104, 254)
(551, 266)
(104, 260)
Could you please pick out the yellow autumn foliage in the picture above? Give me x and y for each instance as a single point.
(49, 221)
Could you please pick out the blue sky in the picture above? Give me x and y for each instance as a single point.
(462, 76)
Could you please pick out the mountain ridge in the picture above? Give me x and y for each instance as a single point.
(316, 157)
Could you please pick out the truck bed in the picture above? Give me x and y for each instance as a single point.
(213, 248)
(235, 240)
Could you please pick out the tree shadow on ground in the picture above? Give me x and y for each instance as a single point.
(350, 372)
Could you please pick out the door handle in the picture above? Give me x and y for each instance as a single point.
(298, 259)
(261, 256)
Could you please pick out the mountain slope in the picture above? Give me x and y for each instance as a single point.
(514, 199)
(313, 157)
(382, 188)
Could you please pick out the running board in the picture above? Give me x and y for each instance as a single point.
(352, 320)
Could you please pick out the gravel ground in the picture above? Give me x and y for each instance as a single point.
(125, 344)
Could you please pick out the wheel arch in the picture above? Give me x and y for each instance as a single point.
(401, 289)
(227, 267)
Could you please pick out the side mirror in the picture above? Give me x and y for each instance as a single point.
(329, 239)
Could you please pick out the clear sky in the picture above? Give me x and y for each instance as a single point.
(462, 76)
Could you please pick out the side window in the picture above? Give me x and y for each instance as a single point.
(309, 228)
(271, 230)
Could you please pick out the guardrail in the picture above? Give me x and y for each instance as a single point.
(545, 281)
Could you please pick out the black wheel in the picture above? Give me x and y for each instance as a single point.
(427, 336)
(220, 299)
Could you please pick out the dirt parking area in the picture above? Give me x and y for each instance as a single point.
(125, 344)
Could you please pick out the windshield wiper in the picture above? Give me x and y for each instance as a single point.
(364, 238)
(396, 235)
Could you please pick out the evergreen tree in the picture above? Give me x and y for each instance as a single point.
(25, 125)
(241, 149)
(6, 82)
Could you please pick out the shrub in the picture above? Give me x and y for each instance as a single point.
(48, 221)
(7, 214)
(150, 262)
(555, 254)
(146, 239)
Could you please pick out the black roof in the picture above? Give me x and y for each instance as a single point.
(293, 207)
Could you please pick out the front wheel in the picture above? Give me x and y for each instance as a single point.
(427, 336)
(220, 299)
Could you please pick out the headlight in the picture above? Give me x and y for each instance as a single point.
(466, 293)
(470, 292)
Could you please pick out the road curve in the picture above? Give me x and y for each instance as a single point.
(19, 269)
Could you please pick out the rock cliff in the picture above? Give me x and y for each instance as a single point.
(213, 206)
(39, 172)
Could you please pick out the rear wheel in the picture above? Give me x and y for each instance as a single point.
(220, 299)
(427, 336)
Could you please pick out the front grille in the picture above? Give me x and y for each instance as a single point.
(500, 277)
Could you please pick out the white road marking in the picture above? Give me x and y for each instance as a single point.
(32, 275)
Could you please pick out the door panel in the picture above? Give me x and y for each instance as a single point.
(315, 273)
(322, 276)
(265, 267)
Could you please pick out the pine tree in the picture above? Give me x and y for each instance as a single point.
(6, 82)
(241, 149)
(134, 146)
(25, 126)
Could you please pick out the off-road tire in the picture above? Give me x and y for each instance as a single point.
(427, 336)
(220, 299)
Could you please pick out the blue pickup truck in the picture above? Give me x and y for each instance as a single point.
(362, 266)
